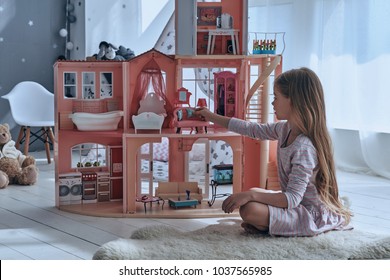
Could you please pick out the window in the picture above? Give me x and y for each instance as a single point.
(88, 155)
(88, 85)
(106, 87)
(200, 82)
(70, 85)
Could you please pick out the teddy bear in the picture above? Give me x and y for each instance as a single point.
(15, 168)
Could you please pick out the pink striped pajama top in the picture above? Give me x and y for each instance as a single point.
(305, 215)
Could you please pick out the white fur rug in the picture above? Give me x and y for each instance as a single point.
(228, 241)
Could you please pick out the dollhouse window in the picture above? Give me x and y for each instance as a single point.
(106, 85)
(88, 85)
(88, 155)
(70, 85)
(200, 82)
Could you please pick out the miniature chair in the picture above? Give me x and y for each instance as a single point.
(32, 105)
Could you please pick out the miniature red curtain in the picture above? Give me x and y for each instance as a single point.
(151, 73)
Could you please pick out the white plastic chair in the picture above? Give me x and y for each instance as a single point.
(32, 105)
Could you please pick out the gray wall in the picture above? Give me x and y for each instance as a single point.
(29, 45)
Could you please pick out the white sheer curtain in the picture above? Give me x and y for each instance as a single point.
(347, 42)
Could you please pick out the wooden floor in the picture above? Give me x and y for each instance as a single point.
(31, 227)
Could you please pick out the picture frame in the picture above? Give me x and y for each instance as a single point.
(207, 16)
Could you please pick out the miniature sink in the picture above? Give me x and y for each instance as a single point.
(96, 121)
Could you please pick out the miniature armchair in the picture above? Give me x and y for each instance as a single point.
(32, 105)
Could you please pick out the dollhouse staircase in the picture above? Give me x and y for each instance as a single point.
(254, 108)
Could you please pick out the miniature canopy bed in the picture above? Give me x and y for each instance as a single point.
(149, 110)
(151, 113)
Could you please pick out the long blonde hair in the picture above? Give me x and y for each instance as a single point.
(304, 89)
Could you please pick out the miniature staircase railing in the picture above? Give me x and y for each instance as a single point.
(263, 76)
(254, 108)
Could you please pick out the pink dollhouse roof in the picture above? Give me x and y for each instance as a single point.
(171, 57)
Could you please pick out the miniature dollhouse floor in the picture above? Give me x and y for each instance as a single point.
(153, 210)
(114, 209)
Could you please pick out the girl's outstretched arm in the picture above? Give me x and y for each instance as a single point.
(213, 117)
(235, 201)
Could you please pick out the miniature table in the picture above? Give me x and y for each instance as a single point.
(233, 33)
(150, 199)
(182, 203)
(214, 195)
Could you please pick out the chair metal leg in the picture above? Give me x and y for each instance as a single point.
(49, 133)
(27, 141)
(20, 136)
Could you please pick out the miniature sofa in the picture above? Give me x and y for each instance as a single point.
(185, 117)
(175, 190)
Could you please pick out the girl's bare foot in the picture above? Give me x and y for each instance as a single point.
(252, 229)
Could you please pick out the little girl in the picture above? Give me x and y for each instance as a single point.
(309, 201)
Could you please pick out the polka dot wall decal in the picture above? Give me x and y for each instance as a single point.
(1, 39)
(31, 23)
(63, 32)
(1, 9)
(23, 60)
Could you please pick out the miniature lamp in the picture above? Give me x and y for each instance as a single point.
(201, 102)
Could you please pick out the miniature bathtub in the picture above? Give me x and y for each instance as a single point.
(96, 121)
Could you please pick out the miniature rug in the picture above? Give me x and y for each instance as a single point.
(228, 241)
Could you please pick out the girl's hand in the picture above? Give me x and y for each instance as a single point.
(209, 116)
(203, 112)
(235, 201)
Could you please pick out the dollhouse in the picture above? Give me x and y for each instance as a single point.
(113, 117)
